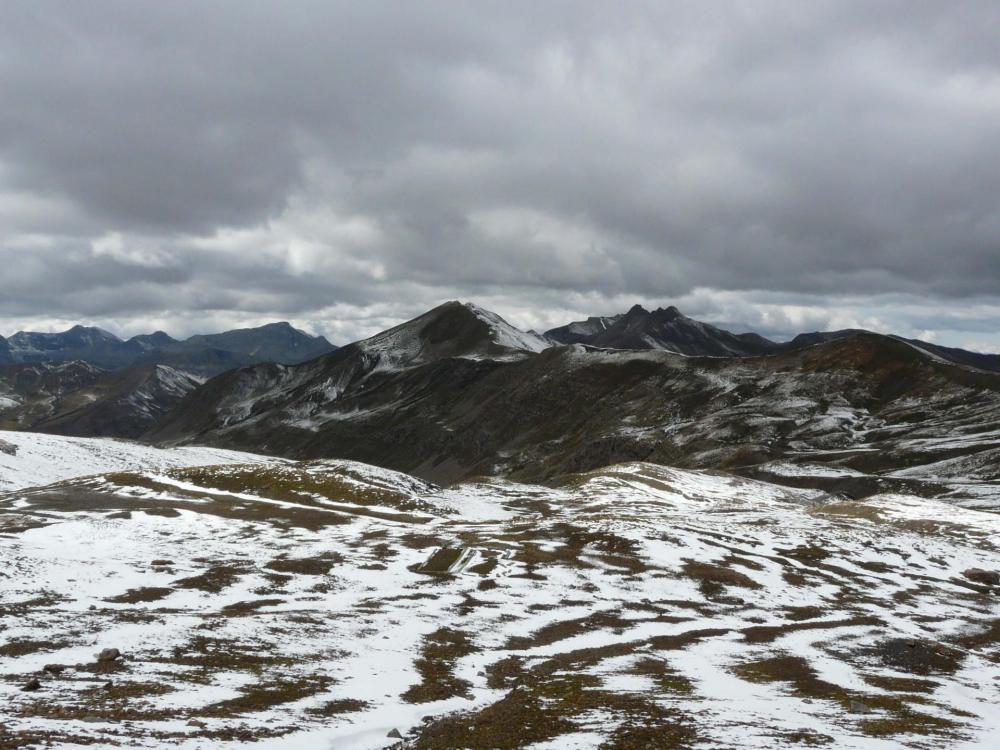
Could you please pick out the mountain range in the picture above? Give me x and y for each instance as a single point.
(667, 329)
(210, 354)
(459, 392)
(670, 330)
(202, 354)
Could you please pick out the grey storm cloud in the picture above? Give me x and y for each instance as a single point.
(776, 164)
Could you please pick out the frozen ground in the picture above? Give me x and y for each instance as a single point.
(41, 459)
(324, 605)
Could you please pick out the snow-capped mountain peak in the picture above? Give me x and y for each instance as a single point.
(504, 334)
(664, 328)
(453, 329)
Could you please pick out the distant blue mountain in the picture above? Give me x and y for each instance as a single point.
(203, 354)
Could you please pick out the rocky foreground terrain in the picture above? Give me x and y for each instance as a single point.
(331, 604)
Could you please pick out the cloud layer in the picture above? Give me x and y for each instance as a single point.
(773, 165)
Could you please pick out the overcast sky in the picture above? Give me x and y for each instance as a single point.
(775, 166)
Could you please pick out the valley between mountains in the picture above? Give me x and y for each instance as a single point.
(631, 532)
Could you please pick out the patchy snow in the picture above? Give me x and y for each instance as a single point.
(404, 345)
(639, 583)
(504, 334)
(176, 381)
(787, 469)
(43, 459)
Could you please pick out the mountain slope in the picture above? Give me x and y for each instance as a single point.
(960, 356)
(667, 329)
(126, 403)
(75, 398)
(464, 337)
(582, 331)
(274, 342)
(803, 340)
(145, 342)
(865, 402)
(453, 329)
(90, 344)
(954, 355)
(6, 356)
(203, 362)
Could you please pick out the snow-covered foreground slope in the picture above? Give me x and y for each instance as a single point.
(324, 605)
(41, 459)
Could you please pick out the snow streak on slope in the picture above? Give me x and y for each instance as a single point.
(324, 604)
(504, 334)
(42, 459)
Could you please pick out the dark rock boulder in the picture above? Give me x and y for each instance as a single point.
(920, 656)
(108, 655)
(985, 577)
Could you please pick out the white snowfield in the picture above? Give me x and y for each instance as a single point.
(42, 459)
(326, 604)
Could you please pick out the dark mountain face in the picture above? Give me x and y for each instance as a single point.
(128, 402)
(819, 337)
(77, 337)
(582, 331)
(92, 345)
(5, 354)
(977, 360)
(204, 355)
(200, 362)
(275, 342)
(151, 341)
(76, 398)
(667, 329)
(960, 356)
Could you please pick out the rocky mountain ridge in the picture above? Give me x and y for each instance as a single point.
(77, 398)
(459, 392)
(432, 399)
(200, 354)
(667, 329)
(670, 330)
